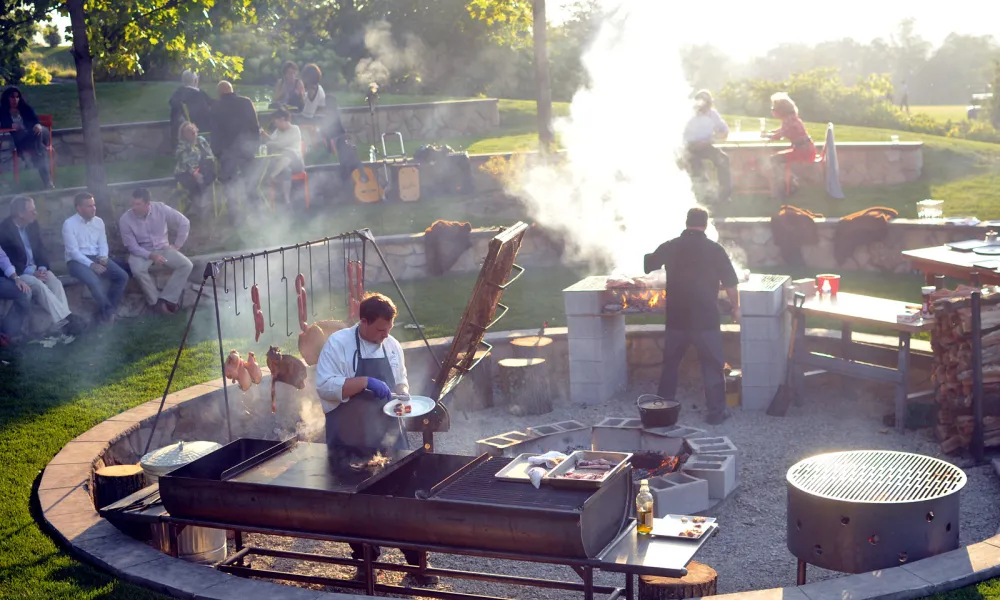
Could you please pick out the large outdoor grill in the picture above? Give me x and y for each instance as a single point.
(418, 497)
(866, 510)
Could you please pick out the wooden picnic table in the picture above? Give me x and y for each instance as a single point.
(942, 260)
(850, 309)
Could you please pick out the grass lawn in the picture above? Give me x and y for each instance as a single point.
(942, 113)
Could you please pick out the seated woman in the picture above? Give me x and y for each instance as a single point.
(30, 138)
(195, 168)
(320, 112)
(289, 92)
(793, 130)
(286, 143)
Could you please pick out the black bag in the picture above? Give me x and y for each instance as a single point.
(444, 171)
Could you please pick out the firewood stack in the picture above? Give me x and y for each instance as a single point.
(951, 340)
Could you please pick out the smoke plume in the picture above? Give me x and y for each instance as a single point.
(618, 192)
(387, 57)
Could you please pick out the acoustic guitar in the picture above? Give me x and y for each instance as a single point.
(366, 186)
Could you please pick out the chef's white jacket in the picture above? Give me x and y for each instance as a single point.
(336, 364)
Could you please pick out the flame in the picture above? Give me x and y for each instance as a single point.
(652, 299)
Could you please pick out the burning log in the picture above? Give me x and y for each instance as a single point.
(951, 341)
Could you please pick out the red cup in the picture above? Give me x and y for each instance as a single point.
(834, 282)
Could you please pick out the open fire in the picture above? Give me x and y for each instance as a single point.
(638, 301)
(646, 465)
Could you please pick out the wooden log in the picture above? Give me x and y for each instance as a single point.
(524, 383)
(533, 346)
(111, 484)
(701, 580)
(475, 391)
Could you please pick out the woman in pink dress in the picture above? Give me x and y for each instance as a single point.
(793, 130)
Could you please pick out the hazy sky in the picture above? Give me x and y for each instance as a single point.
(743, 28)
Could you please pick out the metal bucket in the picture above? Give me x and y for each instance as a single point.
(194, 544)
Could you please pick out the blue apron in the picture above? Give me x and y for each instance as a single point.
(359, 425)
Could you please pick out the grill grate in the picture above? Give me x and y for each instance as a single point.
(763, 283)
(878, 476)
(480, 485)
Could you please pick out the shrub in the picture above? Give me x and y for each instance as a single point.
(52, 36)
(36, 74)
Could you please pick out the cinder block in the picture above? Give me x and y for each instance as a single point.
(585, 349)
(601, 327)
(494, 446)
(585, 302)
(542, 430)
(670, 446)
(561, 441)
(715, 445)
(757, 352)
(678, 493)
(584, 393)
(569, 425)
(612, 368)
(763, 374)
(676, 431)
(757, 397)
(718, 470)
(763, 302)
(762, 329)
(616, 439)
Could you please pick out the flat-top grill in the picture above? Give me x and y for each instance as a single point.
(866, 510)
(478, 484)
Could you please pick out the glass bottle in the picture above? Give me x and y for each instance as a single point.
(644, 509)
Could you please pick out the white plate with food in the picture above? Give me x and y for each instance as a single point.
(409, 406)
(682, 526)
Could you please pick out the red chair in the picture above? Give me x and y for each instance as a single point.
(47, 122)
(815, 160)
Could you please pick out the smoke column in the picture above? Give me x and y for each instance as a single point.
(619, 193)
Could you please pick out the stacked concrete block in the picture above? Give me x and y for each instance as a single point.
(763, 358)
(497, 445)
(677, 431)
(598, 367)
(565, 437)
(615, 434)
(715, 445)
(717, 469)
(678, 494)
(668, 445)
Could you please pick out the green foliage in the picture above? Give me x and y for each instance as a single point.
(19, 23)
(36, 74)
(265, 52)
(52, 36)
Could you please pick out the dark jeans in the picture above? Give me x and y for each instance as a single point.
(708, 344)
(107, 302)
(699, 153)
(32, 144)
(13, 321)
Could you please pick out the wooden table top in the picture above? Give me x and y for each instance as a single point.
(856, 308)
(942, 260)
(742, 137)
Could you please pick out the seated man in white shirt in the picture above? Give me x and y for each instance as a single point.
(286, 142)
(699, 135)
(86, 242)
(357, 372)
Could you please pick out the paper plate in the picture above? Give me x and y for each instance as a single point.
(421, 405)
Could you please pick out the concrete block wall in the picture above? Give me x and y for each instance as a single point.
(679, 494)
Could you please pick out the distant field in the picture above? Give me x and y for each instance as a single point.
(941, 113)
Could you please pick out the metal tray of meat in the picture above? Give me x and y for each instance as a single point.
(517, 469)
(557, 477)
(682, 527)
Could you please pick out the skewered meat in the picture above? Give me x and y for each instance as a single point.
(584, 476)
(244, 377)
(288, 369)
(233, 363)
(600, 464)
(300, 295)
(311, 340)
(258, 314)
(251, 363)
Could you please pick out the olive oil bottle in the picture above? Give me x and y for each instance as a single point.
(644, 509)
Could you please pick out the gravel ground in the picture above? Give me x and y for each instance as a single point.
(749, 551)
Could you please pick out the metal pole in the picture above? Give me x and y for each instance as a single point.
(177, 360)
(222, 357)
(977, 377)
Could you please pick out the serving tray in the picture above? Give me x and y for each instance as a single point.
(556, 477)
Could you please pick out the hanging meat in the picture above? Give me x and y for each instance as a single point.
(243, 379)
(254, 369)
(233, 363)
(258, 315)
(312, 339)
(288, 369)
(300, 294)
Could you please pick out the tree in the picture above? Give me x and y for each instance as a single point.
(118, 32)
(52, 36)
(546, 137)
(705, 66)
(18, 26)
(960, 67)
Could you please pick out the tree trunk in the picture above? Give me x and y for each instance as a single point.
(97, 179)
(544, 104)
(525, 386)
(700, 581)
(111, 484)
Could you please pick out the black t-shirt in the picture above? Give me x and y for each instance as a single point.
(695, 267)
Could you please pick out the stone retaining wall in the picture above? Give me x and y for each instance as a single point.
(423, 121)
(753, 235)
(860, 163)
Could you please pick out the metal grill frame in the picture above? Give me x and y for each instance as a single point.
(875, 510)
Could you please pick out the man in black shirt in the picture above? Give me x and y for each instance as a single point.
(235, 140)
(696, 266)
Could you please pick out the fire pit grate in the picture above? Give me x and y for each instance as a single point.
(479, 485)
(876, 476)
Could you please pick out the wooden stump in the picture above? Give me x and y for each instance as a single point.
(475, 392)
(700, 581)
(531, 347)
(111, 484)
(525, 386)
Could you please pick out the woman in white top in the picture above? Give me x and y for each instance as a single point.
(320, 111)
(286, 142)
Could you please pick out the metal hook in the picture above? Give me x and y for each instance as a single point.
(311, 293)
(329, 275)
(267, 264)
(243, 263)
(236, 296)
(284, 278)
(225, 277)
